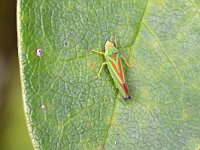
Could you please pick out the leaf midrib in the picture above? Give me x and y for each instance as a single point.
(129, 56)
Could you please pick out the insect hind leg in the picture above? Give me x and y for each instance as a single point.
(126, 61)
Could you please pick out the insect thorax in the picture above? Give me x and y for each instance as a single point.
(111, 51)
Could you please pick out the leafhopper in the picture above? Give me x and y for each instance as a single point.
(113, 61)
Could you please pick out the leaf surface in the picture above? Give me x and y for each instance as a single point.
(68, 109)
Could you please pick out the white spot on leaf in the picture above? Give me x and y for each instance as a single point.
(43, 106)
(38, 52)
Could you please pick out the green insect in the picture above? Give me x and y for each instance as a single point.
(113, 61)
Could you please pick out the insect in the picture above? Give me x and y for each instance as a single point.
(113, 61)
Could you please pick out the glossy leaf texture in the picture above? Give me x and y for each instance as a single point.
(67, 108)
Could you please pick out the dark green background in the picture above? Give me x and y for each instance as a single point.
(13, 130)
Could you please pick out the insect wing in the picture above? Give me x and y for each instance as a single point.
(116, 71)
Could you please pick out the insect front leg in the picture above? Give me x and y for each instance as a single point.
(126, 61)
(102, 53)
(103, 64)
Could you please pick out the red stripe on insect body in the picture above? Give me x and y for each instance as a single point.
(121, 71)
(114, 66)
(126, 88)
(122, 85)
(118, 72)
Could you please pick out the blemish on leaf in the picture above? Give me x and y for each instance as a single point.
(90, 65)
(101, 147)
(38, 52)
(42, 106)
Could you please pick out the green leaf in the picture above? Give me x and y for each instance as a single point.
(68, 109)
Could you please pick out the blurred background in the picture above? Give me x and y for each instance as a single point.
(13, 130)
